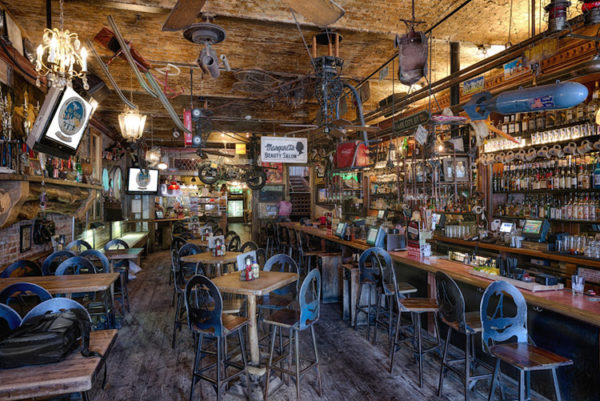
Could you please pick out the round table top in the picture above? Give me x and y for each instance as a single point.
(199, 242)
(209, 258)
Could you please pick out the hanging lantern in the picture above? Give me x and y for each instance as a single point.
(153, 156)
(164, 163)
(557, 14)
(132, 125)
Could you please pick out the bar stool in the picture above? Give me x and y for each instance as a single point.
(204, 307)
(452, 313)
(416, 307)
(270, 231)
(386, 289)
(297, 321)
(521, 355)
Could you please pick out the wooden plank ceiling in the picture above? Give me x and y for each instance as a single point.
(261, 35)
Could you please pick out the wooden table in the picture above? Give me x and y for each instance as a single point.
(208, 258)
(200, 242)
(124, 254)
(267, 282)
(73, 375)
(66, 284)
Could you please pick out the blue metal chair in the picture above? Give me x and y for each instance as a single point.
(369, 277)
(11, 317)
(499, 328)
(122, 267)
(22, 268)
(283, 297)
(183, 272)
(204, 306)
(75, 246)
(452, 313)
(55, 305)
(296, 321)
(176, 245)
(75, 265)
(23, 294)
(53, 260)
(93, 255)
(229, 235)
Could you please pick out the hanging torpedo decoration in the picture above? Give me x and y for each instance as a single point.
(538, 98)
(412, 53)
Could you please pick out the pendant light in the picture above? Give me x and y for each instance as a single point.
(131, 122)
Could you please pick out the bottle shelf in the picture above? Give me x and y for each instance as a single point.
(553, 191)
(550, 220)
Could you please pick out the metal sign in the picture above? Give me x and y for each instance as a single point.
(283, 150)
(411, 122)
(474, 85)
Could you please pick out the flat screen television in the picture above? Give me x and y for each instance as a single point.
(61, 123)
(142, 182)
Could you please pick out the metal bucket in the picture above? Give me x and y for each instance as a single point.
(557, 15)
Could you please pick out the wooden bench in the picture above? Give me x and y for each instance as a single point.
(75, 374)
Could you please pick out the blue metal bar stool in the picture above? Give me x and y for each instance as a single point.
(25, 295)
(100, 261)
(121, 267)
(182, 273)
(204, 306)
(11, 317)
(498, 329)
(452, 312)
(297, 321)
(369, 276)
(75, 246)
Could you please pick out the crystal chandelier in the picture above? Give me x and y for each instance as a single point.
(132, 125)
(61, 57)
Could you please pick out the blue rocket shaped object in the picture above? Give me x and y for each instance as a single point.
(538, 98)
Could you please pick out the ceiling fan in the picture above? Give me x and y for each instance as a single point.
(183, 14)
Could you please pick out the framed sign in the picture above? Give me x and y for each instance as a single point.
(283, 150)
(25, 238)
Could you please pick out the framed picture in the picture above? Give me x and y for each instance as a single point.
(25, 236)
(460, 171)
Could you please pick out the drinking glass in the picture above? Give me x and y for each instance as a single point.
(577, 284)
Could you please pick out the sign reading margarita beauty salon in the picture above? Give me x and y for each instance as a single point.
(283, 150)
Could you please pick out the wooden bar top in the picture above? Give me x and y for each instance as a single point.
(73, 375)
(563, 302)
(66, 284)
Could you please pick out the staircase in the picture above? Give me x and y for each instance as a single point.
(300, 197)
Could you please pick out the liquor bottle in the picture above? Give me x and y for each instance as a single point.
(597, 175)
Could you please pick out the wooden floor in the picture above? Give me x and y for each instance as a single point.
(142, 365)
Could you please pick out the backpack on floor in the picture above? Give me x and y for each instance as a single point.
(47, 338)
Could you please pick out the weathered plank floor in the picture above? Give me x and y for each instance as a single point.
(142, 365)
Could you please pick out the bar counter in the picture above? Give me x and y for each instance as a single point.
(558, 321)
(563, 302)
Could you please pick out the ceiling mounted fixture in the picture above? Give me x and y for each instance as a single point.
(60, 57)
(207, 34)
(557, 14)
(132, 125)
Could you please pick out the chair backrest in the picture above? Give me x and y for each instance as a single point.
(75, 246)
(230, 235)
(75, 265)
(248, 246)
(496, 326)
(21, 268)
(178, 242)
(261, 257)
(53, 260)
(285, 264)
(218, 231)
(376, 257)
(16, 291)
(189, 249)
(309, 299)
(284, 234)
(55, 305)
(204, 305)
(186, 235)
(186, 250)
(93, 255)
(116, 244)
(234, 244)
(10, 316)
(451, 301)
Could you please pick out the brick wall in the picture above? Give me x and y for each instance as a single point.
(10, 240)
